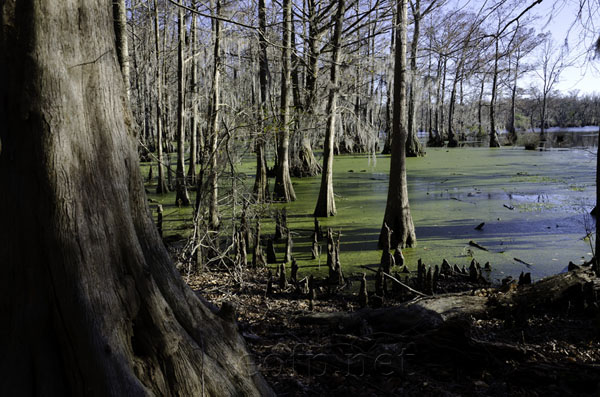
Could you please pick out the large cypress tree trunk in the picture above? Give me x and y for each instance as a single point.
(284, 191)
(397, 211)
(326, 201)
(90, 302)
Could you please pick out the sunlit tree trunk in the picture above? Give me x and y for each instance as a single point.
(284, 191)
(213, 133)
(261, 180)
(326, 201)
(120, 22)
(413, 145)
(493, 133)
(181, 196)
(161, 186)
(91, 303)
(193, 160)
(397, 211)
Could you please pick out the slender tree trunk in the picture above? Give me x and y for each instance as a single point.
(261, 188)
(493, 133)
(441, 102)
(97, 308)
(213, 181)
(193, 160)
(597, 239)
(413, 145)
(181, 194)
(120, 23)
(161, 186)
(326, 201)
(295, 71)
(397, 211)
(480, 108)
(452, 141)
(512, 131)
(387, 146)
(543, 119)
(284, 191)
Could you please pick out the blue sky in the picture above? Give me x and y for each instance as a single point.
(560, 19)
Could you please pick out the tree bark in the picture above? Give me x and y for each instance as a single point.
(120, 22)
(512, 131)
(161, 186)
(480, 108)
(193, 160)
(397, 211)
(413, 145)
(97, 307)
(284, 191)
(326, 200)
(213, 133)
(597, 239)
(493, 133)
(181, 194)
(261, 189)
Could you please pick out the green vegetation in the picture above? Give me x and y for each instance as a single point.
(451, 192)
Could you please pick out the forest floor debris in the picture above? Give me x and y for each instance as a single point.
(546, 350)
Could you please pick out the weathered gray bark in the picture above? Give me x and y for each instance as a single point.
(120, 22)
(387, 145)
(161, 186)
(96, 307)
(213, 133)
(413, 145)
(480, 108)
(512, 131)
(261, 189)
(493, 133)
(326, 200)
(181, 194)
(193, 160)
(397, 211)
(284, 191)
(597, 239)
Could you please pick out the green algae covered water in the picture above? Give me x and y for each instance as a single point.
(535, 206)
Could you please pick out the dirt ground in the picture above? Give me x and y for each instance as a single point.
(549, 352)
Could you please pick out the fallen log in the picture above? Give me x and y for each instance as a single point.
(428, 313)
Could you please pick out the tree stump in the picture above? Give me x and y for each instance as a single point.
(445, 269)
(387, 259)
(363, 295)
(421, 273)
(318, 230)
(294, 274)
(398, 257)
(271, 256)
(281, 229)
(258, 256)
(282, 279)
(525, 278)
(380, 283)
(315, 247)
(159, 221)
(288, 248)
(428, 281)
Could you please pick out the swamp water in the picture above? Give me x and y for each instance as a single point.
(535, 206)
